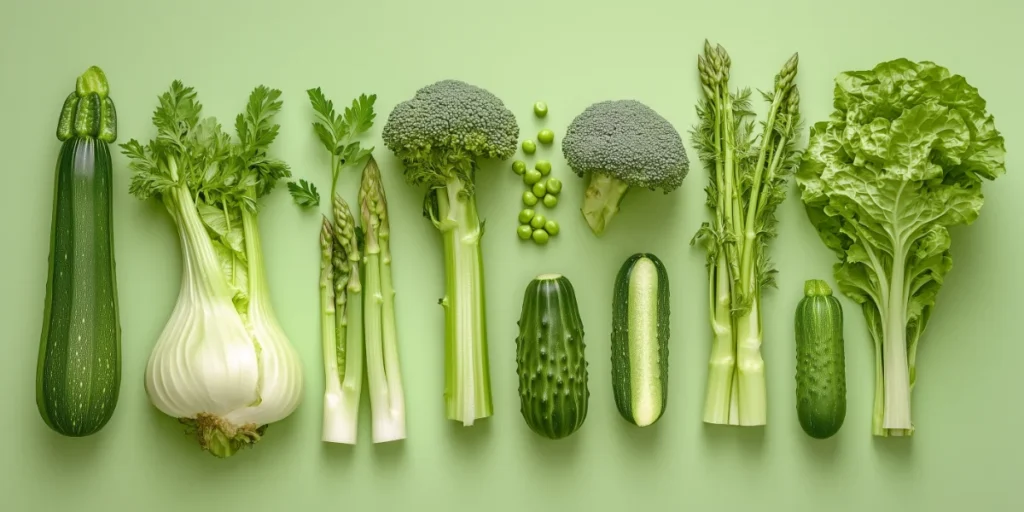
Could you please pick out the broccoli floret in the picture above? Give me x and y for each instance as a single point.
(440, 135)
(441, 132)
(620, 145)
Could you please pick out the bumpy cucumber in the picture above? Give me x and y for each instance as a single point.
(550, 358)
(820, 361)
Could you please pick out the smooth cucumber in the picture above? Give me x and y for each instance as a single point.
(550, 358)
(78, 377)
(640, 334)
(820, 361)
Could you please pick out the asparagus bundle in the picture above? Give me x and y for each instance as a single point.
(357, 298)
(748, 174)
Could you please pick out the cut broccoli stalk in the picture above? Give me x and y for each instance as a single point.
(387, 398)
(467, 389)
(441, 135)
(601, 200)
(341, 325)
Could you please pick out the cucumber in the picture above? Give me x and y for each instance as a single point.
(820, 361)
(640, 333)
(78, 378)
(550, 358)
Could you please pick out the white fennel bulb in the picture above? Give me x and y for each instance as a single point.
(222, 364)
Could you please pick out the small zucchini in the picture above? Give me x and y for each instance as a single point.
(640, 333)
(550, 358)
(78, 377)
(820, 361)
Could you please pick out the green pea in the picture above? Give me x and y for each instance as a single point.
(526, 215)
(543, 166)
(540, 109)
(540, 236)
(524, 232)
(538, 221)
(529, 199)
(532, 176)
(546, 136)
(554, 186)
(551, 227)
(550, 201)
(529, 147)
(519, 167)
(539, 189)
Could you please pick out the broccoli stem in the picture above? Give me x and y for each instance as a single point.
(601, 200)
(467, 374)
(387, 398)
(722, 365)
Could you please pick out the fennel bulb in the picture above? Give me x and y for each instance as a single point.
(222, 365)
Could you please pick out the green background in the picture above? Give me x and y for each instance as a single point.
(966, 454)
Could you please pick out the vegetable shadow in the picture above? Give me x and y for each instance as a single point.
(641, 438)
(894, 450)
(749, 439)
(469, 441)
(555, 455)
(821, 451)
(69, 455)
(643, 212)
(389, 456)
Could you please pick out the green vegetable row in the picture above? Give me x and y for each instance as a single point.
(902, 159)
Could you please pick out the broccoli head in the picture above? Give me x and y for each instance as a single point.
(619, 145)
(441, 132)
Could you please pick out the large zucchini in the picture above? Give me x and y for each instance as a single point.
(78, 378)
(820, 361)
(550, 358)
(640, 333)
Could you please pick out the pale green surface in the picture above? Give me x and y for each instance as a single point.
(966, 455)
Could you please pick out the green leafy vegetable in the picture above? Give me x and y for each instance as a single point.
(901, 159)
(304, 193)
(338, 131)
(748, 172)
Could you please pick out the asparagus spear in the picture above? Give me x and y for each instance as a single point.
(341, 324)
(387, 400)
